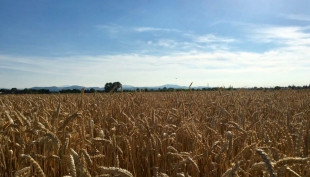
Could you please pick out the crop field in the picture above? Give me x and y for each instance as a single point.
(198, 134)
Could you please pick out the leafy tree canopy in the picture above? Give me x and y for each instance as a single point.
(112, 87)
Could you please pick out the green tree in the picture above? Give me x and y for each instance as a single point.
(230, 88)
(116, 86)
(13, 90)
(112, 86)
(108, 87)
(277, 87)
(92, 90)
(170, 89)
(26, 90)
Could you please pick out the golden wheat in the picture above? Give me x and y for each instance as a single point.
(224, 133)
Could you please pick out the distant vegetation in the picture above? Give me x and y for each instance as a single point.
(112, 87)
(117, 87)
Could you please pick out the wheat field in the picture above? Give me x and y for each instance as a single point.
(198, 134)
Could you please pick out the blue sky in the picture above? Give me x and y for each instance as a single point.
(150, 43)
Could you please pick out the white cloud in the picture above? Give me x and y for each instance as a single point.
(199, 58)
(217, 67)
(167, 43)
(288, 35)
(188, 45)
(148, 29)
(118, 28)
(210, 38)
(299, 17)
(180, 41)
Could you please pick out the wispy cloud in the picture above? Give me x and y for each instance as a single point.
(286, 35)
(149, 29)
(200, 58)
(110, 28)
(197, 66)
(167, 43)
(118, 28)
(177, 46)
(180, 40)
(211, 38)
(299, 17)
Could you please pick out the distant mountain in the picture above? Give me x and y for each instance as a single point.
(52, 89)
(129, 87)
(173, 86)
(125, 87)
(162, 86)
(65, 86)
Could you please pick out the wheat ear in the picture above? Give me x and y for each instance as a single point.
(266, 161)
(72, 166)
(22, 172)
(35, 164)
(115, 171)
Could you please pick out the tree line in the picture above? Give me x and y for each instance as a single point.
(24, 91)
(117, 87)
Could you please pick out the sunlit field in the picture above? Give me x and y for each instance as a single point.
(206, 134)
